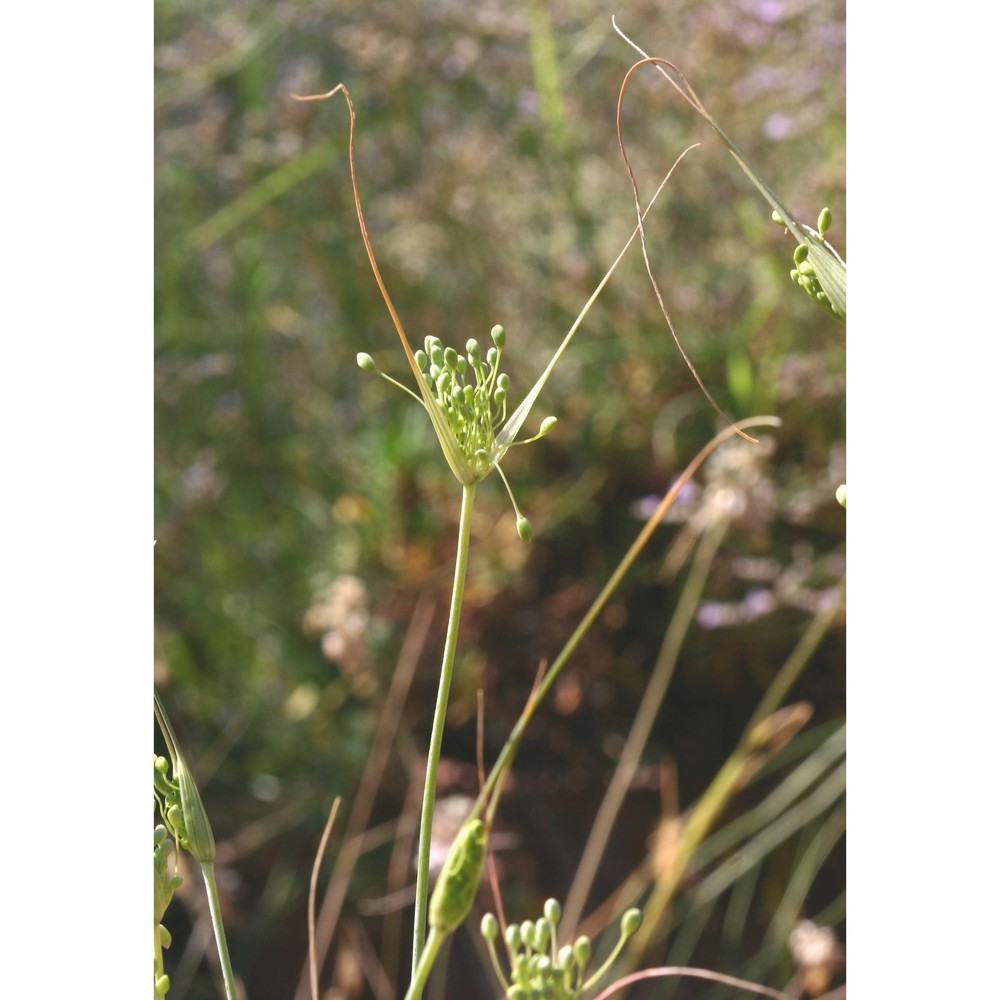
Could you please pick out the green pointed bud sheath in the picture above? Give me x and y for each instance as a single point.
(824, 221)
(547, 425)
(459, 879)
(200, 842)
(801, 252)
(367, 363)
(489, 927)
(552, 910)
(524, 529)
(498, 336)
(631, 922)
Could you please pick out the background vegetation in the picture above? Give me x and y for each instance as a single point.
(305, 520)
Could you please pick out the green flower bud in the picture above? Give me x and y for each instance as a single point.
(450, 358)
(162, 985)
(472, 348)
(499, 396)
(524, 529)
(581, 950)
(489, 927)
(521, 970)
(631, 921)
(547, 425)
(492, 355)
(801, 252)
(552, 910)
(421, 359)
(437, 354)
(541, 934)
(517, 993)
(776, 217)
(459, 879)
(842, 495)
(823, 223)
(498, 336)
(366, 363)
(513, 937)
(165, 938)
(528, 934)
(805, 267)
(503, 381)
(565, 956)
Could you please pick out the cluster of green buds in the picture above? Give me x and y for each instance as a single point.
(466, 397)
(539, 967)
(164, 886)
(181, 808)
(804, 273)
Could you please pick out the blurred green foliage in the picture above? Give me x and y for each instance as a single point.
(302, 507)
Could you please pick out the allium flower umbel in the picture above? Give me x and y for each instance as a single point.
(466, 399)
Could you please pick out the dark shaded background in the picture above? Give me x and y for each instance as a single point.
(303, 511)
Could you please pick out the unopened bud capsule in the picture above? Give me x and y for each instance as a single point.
(459, 879)
(498, 336)
(524, 528)
(631, 921)
(367, 363)
(823, 223)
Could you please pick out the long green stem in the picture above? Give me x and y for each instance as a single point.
(208, 871)
(437, 732)
(426, 963)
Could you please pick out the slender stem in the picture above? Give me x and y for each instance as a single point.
(208, 871)
(437, 733)
(426, 963)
